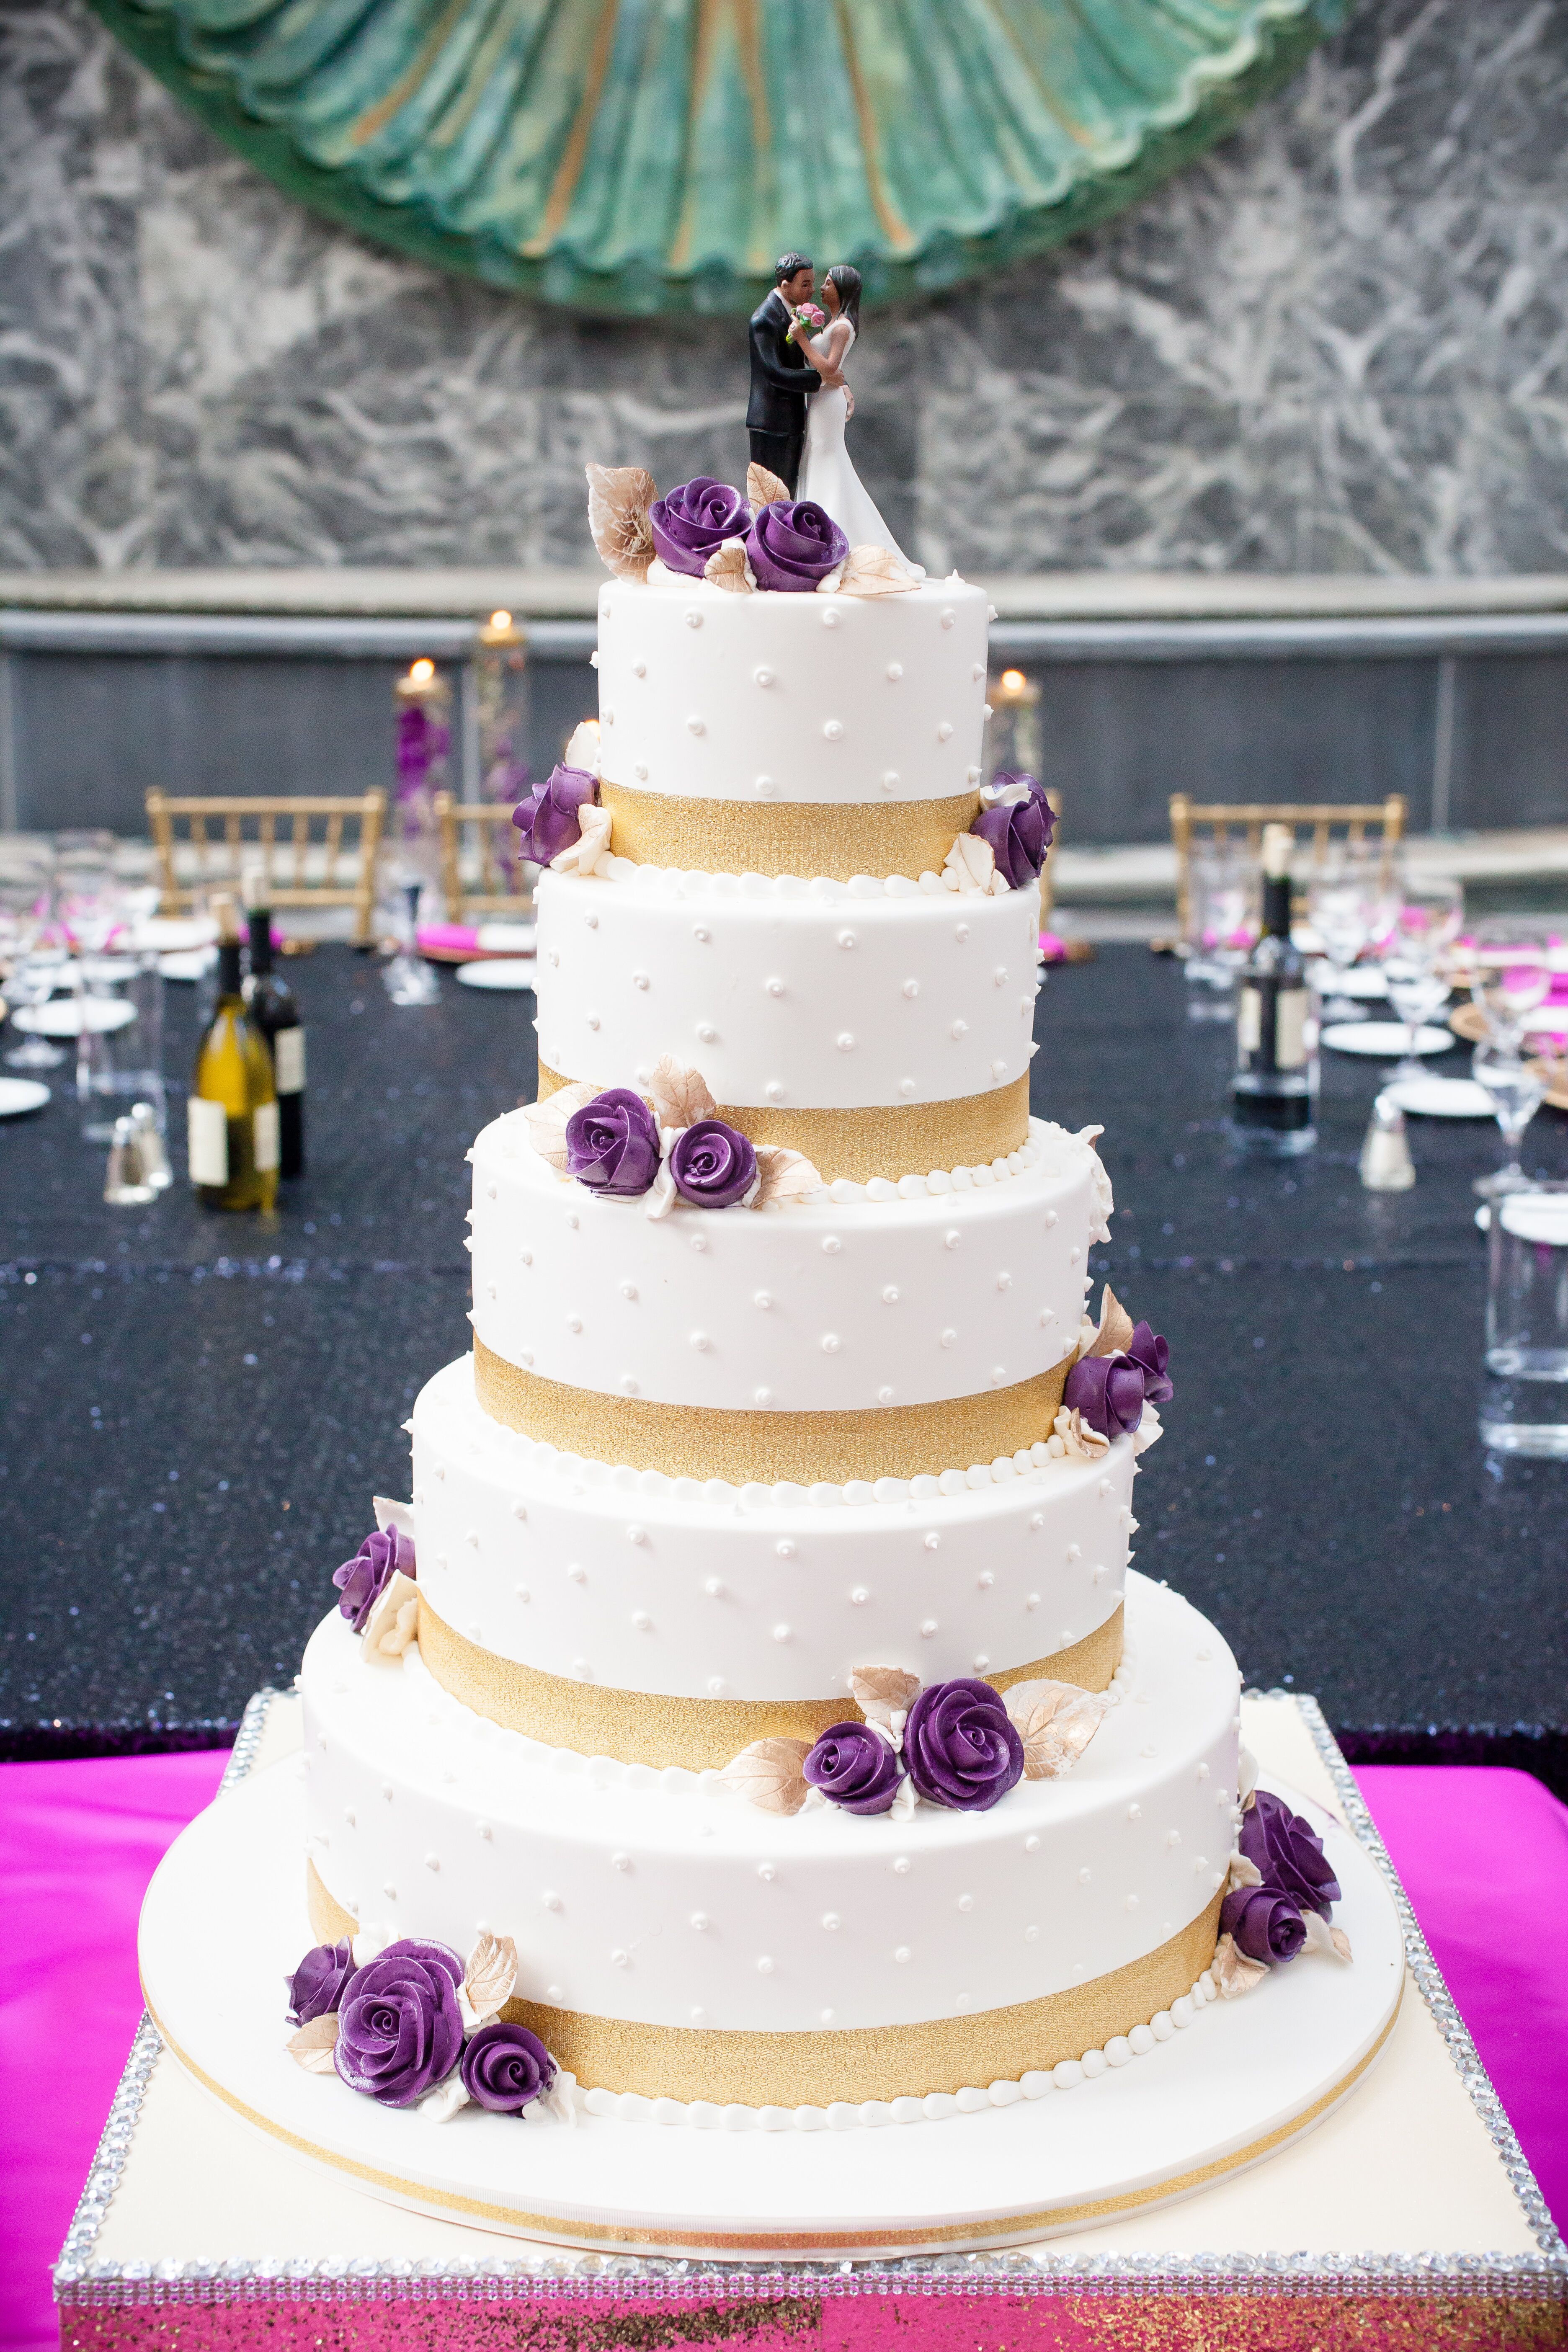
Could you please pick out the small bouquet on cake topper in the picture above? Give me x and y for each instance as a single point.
(807, 320)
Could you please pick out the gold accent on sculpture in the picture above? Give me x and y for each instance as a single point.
(835, 839)
(653, 1727)
(851, 2064)
(890, 1139)
(695, 1441)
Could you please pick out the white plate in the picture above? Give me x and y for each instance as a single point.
(173, 934)
(1384, 1038)
(1361, 981)
(189, 963)
(20, 1095)
(63, 1016)
(503, 971)
(1442, 1098)
(507, 939)
(1547, 1020)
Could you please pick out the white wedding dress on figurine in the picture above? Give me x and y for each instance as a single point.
(826, 475)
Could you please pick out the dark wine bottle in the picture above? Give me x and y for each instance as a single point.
(270, 1003)
(232, 1109)
(1273, 1095)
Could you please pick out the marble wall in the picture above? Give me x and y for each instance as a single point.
(1340, 343)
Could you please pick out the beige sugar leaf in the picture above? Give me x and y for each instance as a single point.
(547, 1120)
(1056, 1721)
(970, 867)
(727, 568)
(1233, 1972)
(875, 571)
(1115, 1328)
(1322, 1938)
(491, 1975)
(618, 500)
(768, 1775)
(1242, 1874)
(763, 489)
(679, 1095)
(1340, 1942)
(1077, 1436)
(312, 2046)
(882, 1691)
(784, 1175)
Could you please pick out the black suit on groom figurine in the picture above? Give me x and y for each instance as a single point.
(781, 378)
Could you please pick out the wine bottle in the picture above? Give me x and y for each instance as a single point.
(1273, 1095)
(270, 1004)
(231, 1111)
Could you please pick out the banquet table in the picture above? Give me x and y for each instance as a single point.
(198, 1407)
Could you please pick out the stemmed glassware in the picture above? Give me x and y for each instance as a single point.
(1222, 920)
(1341, 905)
(1416, 934)
(1511, 976)
(1516, 1088)
(26, 948)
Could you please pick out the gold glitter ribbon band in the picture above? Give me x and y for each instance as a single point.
(694, 1441)
(566, 2227)
(654, 1728)
(851, 2064)
(838, 839)
(890, 1139)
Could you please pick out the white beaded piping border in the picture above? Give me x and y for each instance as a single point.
(83, 2282)
(677, 882)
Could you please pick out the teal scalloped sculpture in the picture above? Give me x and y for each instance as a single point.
(638, 156)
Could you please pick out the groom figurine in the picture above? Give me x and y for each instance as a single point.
(775, 414)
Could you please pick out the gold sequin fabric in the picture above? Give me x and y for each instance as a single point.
(834, 839)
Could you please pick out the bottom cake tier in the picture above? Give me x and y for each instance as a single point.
(678, 1943)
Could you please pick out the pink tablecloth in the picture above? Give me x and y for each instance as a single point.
(1484, 1854)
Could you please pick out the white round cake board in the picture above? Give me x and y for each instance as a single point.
(223, 1924)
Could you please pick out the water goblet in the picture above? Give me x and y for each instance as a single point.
(1510, 973)
(1341, 902)
(1415, 932)
(1516, 1088)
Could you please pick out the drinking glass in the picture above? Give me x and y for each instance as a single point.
(408, 979)
(1516, 1088)
(1510, 973)
(1414, 935)
(33, 963)
(1341, 906)
(1222, 924)
(1524, 1388)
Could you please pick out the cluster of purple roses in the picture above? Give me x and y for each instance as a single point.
(1265, 1922)
(1110, 1392)
(612, 1146)
(548, 819)
(1019, 831)
(790, 545)
(400, 2030)
(386, 1553)
(959, 1749)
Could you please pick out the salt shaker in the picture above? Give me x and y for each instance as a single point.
(1385, 1162)
(153, 1157)
(125, 1186)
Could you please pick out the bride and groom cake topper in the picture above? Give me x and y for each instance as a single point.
(800, 402)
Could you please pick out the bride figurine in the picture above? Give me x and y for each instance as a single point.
(827, 476)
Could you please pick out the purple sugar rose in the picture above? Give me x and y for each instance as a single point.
(1266, 1924)
(506, 2068)
(399, 2030)
(363, 1580)
(1019, 832)
(317, 1985)
(959, 1747)
(855, 1769)
(793, 544)
(1108, 1391)
(547, 819)
(611, 1144)
(1151, 1355)
(1289, 1855)
(713, 1166)
(693, 521)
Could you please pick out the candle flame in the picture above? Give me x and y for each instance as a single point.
(500, 620)
(1013, 681)
(420, 672)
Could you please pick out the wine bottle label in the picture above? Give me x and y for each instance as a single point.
(1249, 1021)
(1290, 1029)
(266, 1132)
(288, 1060)
(206, 1140)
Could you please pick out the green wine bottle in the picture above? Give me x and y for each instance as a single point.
(231, 1111)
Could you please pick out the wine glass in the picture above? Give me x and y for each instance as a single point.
(1516, 1088)
(1417, 931)
(1510, 973)
(33, 963)
(1222, 918)
(1342, 903)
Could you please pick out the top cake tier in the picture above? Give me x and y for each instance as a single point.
(829, 699)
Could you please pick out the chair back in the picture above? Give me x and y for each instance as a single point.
(316, 849)
(481, 873)
(1358, 821)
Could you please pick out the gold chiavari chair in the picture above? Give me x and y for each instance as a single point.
(1358, 821)
(480, 871)
(315, 849)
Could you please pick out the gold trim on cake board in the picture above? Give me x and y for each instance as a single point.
(851, 2064)
(653, 1727)
(695, 1441)
(832, 840)
(888, 1140)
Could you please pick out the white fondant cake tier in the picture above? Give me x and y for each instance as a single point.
(786, 992)
(645, 1583)
(707, 695)
(818, 1306)
(665, 1898)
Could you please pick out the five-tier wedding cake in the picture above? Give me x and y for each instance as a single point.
(754, 1717)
